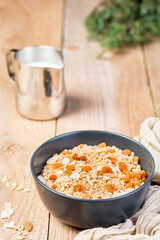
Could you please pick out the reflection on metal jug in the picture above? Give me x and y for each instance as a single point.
(38, 75)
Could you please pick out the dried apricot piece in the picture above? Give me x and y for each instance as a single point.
(80, 145)
(68, 173)
(78, 188)
(113, 159)
(126, 152)
(86, 195)
(75, 156)
(122, 166)
(111, 150)
(100, 173)
(136, 182)
(107, 169)
(101, 145)
(52, 177)
(70, 167)
(56, 165)
(135, 160)
(54, 186)
(86, 168)
(129, 185)
(143, 174)
(28, 226)
(126, 179)
(66, 152)
(99, 197)
(128, 173)
(83, 158)
(109, 187)
(136, 175)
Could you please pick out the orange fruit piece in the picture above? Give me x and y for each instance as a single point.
(99, 197)
(136, 159)
(53, 186)
(107, 169)
(137, 182)
(129, 185)
(65, 152)
(86, 168)
(70, 167)
(67, 172)
(52, 177)
(126, 152)
(78, 188)
(136, 175)
(86, 195)
(109, 187)
(101, 145)
(82, 158)
(75, 156)
(113, 159)
(111, 150)
(100, 173)
(122, 166)
(80, 145)
(56, 165)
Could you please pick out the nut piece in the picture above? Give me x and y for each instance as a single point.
(28, 226)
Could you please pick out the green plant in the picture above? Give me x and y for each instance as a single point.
(116, 23)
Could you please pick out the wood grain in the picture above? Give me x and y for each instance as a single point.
(107, 94)
(152, 58)
(24, 23)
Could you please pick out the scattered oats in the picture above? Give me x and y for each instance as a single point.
(89, 180)
(28, 226)
(9, 225)
(7, 204)
(117, 167)
(75, 175)
(19, 188)
(65, 161)
(41, 179)
(27, 189)
(30, 237)
(24, 233)
(13, 185)
(99, 168)
(113, 169)
(72, 163)
(5, 179)
(8, 210)
(20, 237)
(52, 160)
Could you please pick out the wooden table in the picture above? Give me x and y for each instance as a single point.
(114, 94)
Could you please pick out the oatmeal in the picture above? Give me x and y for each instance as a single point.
(93, 172)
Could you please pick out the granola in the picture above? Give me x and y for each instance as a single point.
(93, 172)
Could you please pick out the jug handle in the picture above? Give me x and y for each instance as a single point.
(9, 58)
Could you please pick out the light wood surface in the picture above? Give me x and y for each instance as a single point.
(115, 93)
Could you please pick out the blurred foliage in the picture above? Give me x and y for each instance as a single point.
(116, 23)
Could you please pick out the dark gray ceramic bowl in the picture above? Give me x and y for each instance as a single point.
(84, 213)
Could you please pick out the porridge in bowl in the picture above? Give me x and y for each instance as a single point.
(93, 172)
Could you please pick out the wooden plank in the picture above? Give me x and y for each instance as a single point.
(152, 59)
(107, 94)
(24, 23)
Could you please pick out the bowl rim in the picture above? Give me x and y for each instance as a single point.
(92, 200)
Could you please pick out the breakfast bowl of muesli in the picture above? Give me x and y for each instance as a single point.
(92, 178)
